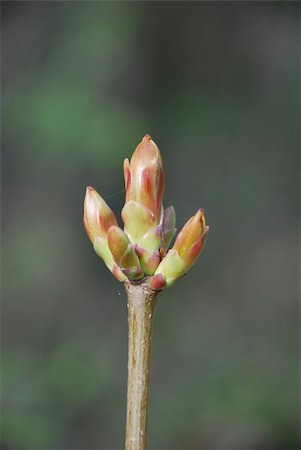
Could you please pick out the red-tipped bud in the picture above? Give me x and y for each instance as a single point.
(184, 253)
(190, 240)
(98, 217)
(144, 179)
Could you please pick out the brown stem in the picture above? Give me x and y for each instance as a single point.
(141, 303)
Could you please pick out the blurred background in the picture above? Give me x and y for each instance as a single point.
(217, 86)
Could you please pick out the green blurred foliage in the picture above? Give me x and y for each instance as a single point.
(217, 87)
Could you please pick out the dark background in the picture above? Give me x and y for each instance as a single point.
(217, 86)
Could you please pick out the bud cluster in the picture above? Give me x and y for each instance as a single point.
(141, 248)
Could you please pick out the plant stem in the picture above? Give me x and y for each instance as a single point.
(141, 303)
